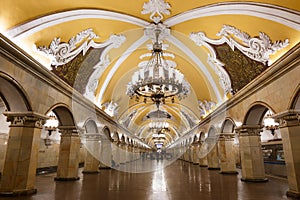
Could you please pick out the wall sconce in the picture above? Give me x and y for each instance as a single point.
(270, 123)
(50, 125)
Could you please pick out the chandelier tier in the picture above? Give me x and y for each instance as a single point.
(157, 80)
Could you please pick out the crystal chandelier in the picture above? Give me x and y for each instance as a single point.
(157, 80)
(158, 125)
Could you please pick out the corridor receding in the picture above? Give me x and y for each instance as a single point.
(181, 180)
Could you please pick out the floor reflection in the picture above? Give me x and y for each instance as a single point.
(181, 180)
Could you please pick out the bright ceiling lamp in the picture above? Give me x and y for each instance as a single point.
(157, 80)
(158, 125)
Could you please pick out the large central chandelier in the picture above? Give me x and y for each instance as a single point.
(157, 81)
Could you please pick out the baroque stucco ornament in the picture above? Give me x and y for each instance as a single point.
(205, 107)
(257, 48)
(61, 53)
(156, 8)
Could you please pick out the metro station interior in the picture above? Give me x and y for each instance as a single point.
(152, 99)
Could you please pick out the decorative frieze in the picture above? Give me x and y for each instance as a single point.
(226, 136)
(26, 119)
(249, 130)
(68, 131)
(288, 118)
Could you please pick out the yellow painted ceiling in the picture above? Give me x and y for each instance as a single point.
(128, 21)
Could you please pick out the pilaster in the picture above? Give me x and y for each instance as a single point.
(68, 161)
(20, 163)
(226, 153)
(289, 124)
(213, 154)
(93, 145)
(251, 153)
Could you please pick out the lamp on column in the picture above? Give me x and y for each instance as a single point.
(50, 125)
(270, 123)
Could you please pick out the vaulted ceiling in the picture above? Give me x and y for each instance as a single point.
(96, 46)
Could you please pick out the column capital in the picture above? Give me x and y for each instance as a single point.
(26, 119)
(68, 131)
(92, 136)
(288, 118)
(249, 130)
(226, 136)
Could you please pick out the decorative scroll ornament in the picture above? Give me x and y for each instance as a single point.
(201, 40)
(115, 41)
(111, 108)
(257, 48)
(205, 107)
(62, 53)
(156, 8)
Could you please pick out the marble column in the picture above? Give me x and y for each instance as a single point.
(227, 154)
(106, 153)
(289, 124)
(20, 163)
(213, 158)
(93, 146)
(116, 153)
(195, 154)
(68, 161)
(122, 153)
(202, 155)
(252, 162)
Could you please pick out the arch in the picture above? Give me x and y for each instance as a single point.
(228, 126)
(202, 136)
(256, 113)
(116, 137)
(91, 126)
(63, 114)
(106, 132)
(295, 103)
(13, 95)
(212, 132)
(196, 139)
(123, 139)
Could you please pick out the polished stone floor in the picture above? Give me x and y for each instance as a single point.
(179, 181)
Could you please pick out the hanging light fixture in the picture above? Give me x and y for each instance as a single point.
(157, 80)
(50, 125)
(270, 123)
